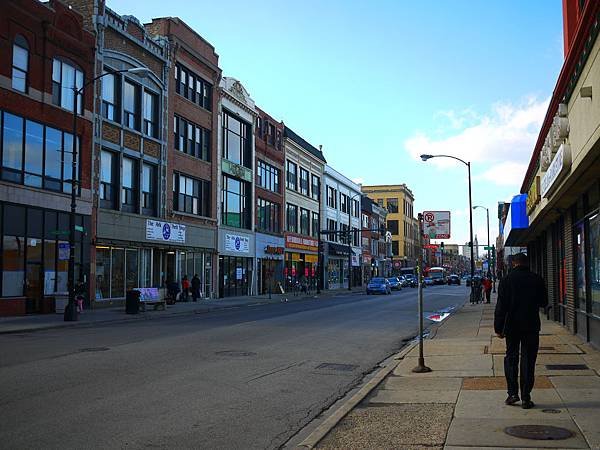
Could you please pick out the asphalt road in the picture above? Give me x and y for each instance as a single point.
(241, 378)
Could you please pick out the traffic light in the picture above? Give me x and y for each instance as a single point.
(442, 246)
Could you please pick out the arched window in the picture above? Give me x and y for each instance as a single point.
(20, 64)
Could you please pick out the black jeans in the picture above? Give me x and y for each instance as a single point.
(529, 344)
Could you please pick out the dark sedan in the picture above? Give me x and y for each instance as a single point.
(453, 279)
(395, 283)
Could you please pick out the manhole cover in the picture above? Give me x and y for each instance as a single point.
(539, 432)
(235, 353)
(339, 367)
(566, 367)
(551, 411)
(94, 349)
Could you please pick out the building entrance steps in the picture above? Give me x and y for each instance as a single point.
(460, 403)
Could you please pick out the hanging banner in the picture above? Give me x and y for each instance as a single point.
(236, 243)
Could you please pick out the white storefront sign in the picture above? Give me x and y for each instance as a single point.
(164, 231)
(436, 224)
(237, 244)
(559, 166)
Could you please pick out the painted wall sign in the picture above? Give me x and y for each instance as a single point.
(561, 164)
(272, 250)
(533, 196)
(236, 170)
(237, 244)
(164, 231)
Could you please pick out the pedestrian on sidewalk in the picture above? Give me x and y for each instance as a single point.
(195, 287)
(520, 295)
(185, 288)
(487, 288)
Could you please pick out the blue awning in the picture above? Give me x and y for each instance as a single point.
(517, 221)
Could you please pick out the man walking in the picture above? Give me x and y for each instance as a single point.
(520, 295)
(195, 287)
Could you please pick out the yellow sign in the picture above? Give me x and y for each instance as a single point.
(533, 196)
(295, 256)
(311, 258)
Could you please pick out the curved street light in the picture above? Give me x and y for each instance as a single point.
(425, 158)
(70, 313)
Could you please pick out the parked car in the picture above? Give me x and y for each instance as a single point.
(395, 283)
(453, 279)
(379, 285)
(428, 281)
(411, 280)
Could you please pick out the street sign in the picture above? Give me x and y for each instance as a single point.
(431, 246)
(436, 224)
(78, 228)
(488, 248)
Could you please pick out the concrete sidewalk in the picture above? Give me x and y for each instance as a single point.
(91, 317)
(460, 404)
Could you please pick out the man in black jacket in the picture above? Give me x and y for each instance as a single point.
(520, 295)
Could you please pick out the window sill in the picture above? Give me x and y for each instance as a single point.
(191, 157)
(194, 216)
(193, 103)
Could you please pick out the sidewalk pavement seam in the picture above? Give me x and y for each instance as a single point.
(330, 422)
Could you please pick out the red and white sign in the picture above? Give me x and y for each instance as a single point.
(301, 243)
(431, 246)
(436, 224)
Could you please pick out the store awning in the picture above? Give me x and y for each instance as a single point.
(338, 249)
(517, 222)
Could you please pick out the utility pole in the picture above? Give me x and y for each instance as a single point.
(421, 367)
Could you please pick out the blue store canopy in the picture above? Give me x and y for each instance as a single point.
(517, 222)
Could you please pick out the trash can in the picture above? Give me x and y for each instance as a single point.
(132, 302)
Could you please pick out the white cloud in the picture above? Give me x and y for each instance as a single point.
(498, 144)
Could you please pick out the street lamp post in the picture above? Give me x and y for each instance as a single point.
(468, 164)
(421, 367)
(70, 314)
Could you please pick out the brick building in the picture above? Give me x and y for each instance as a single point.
(269, 190)
(44, 53)
(375, 259)
(135, 243)
(191, 182)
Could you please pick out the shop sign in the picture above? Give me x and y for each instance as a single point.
(301, 243)
(311, 258)
(355, 261)
(558, 168)
(239, 273)
(236, 170)
(237, 244)
(295, 256)
(533, 195)
(273, 250)
(164, 231)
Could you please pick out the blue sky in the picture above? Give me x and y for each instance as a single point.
(377, 83)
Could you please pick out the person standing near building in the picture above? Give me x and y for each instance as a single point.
(520, 295)
(195, 287)
(487, 288)
(185, 288)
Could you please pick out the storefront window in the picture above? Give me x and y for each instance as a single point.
(594, 273)
(146, 267)
(62, 267)
(580, 267)
(13, 274)
(208, 276)
(131, 274)
(102, 272)
(117, 288)
(49, 266)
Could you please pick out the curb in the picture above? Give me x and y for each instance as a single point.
(328, 424)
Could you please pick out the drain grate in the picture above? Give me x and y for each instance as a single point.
(234, 353)
(566, 367)
(539, 432)
(93, 349)
(337, 367)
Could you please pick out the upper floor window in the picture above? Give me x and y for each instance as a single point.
(193, 87)
(129, 186)
(235, 203)
(292, 218)
(315, 191)
(148, 189)
(150, 114)
(332, 226)
(20, 64)
(66, 80)
(191, 139)
(110, 96)
(267, 176)
(108, 179)
(131, 105)
(36, 155)
(344, 207)
(191, 195)
(314, 224)
(267, 215)
(292, 176)
(270, 133)
(237, 147)
(355, 208)
(304, 222)
(304, 181)
(331, 197)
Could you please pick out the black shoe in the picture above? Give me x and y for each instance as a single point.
(527, 404)
(512, 399)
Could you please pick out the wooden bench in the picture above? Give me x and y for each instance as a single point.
(154, 297)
